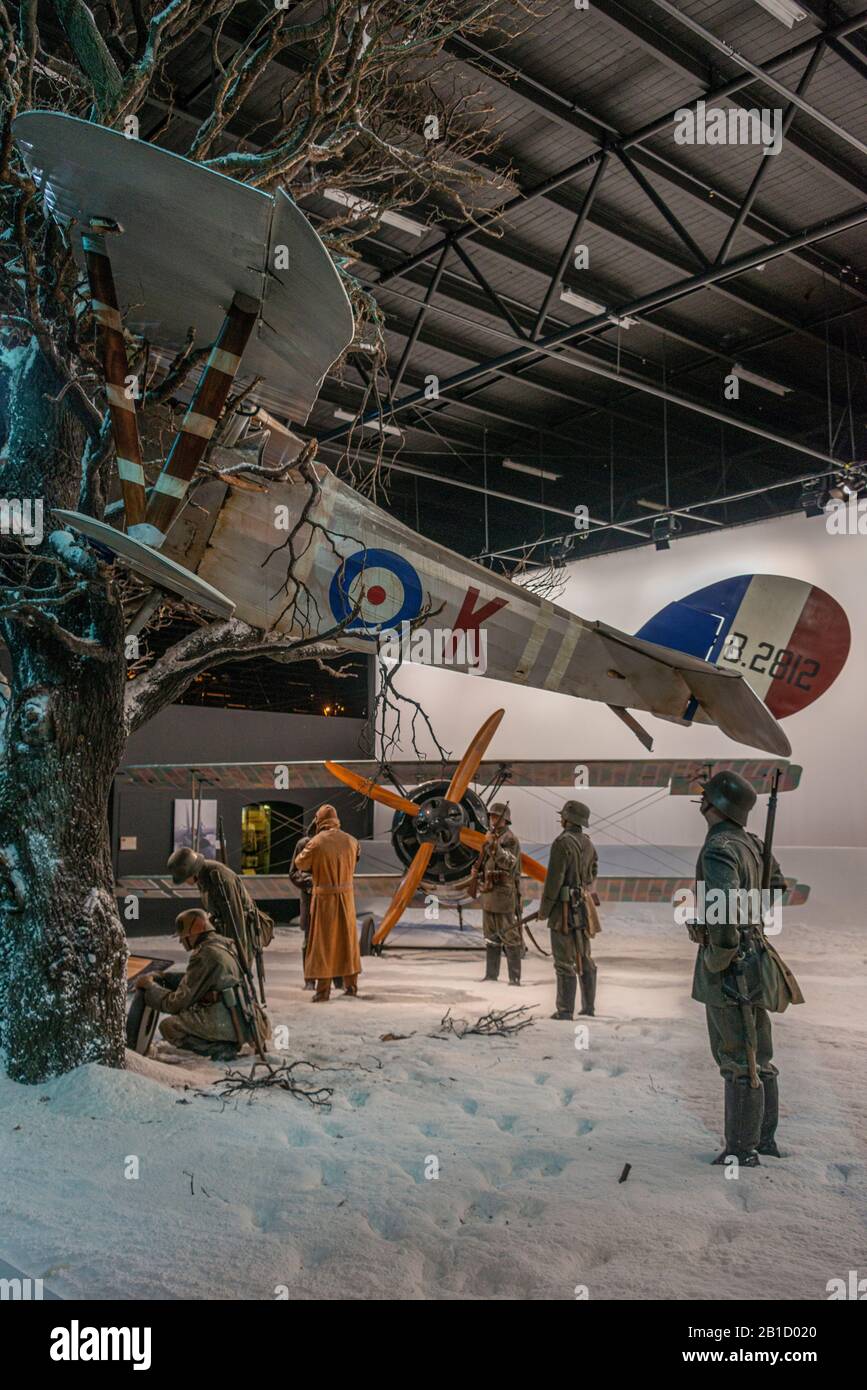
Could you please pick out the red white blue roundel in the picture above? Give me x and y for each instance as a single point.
(381, 585)
(787, 638)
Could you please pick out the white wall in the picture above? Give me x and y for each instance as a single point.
(829, 737)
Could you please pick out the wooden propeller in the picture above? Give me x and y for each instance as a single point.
(458, 786)
(384, 795)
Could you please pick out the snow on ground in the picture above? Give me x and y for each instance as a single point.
(530, 1135)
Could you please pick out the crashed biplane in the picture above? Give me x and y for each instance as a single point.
(171, 246)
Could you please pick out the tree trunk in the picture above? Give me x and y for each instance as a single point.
(62, 946)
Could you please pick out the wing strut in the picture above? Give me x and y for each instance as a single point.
(644, 738)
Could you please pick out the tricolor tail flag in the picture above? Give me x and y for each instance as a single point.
(788, 638)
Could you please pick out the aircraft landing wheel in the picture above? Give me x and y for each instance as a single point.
(368, 928)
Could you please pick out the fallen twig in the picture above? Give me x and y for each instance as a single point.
(498, 1023)
(282, 1077)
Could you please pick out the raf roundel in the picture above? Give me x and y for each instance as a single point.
(379, 587)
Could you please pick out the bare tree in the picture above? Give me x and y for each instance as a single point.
(362, 109)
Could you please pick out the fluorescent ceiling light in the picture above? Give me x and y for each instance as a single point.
(395, 219)
(528, 468)
(580, 302)
(762, 381)
(786, 11)
(570, 297)
(376, 425)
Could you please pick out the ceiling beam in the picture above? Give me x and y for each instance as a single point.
(559, 339)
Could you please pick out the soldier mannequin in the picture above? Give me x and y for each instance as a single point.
(740, 1032)
(497, 879)
(572, 864)
(199, 1019)
(226, 899)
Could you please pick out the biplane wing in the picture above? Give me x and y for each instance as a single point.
(191, 239)
(682, 776)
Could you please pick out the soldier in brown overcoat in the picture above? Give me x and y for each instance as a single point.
(330, 857)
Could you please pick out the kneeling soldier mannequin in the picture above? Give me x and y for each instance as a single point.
(204, 1007)
(569, 905)
(738, 975)
(497, 879)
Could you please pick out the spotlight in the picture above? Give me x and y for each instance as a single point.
(663, 530)
(813, 498)
(847, 484)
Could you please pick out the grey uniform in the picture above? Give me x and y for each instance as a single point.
(573, 862)
(731, 859)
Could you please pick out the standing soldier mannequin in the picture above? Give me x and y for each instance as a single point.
(227, 901)
(738, 974)
(497, 880)
(568, 901)
(209, 1011)
(330, 857)
(304, 883)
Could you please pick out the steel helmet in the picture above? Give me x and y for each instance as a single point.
(501, 810)
(731, 795)
(575, 813)
(184, 863)
(193, 923)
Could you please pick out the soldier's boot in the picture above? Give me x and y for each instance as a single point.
(588, 989)
(566, 989)
(204, 1047)
(323, 992)
(770, 1116)
(513, 961)
(492, 961)
(744, 1106)
(350, 986)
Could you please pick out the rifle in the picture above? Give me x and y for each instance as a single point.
(247, 1005)
(768, 852)
(525, 922)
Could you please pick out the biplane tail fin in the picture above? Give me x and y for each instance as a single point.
(716, 696)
